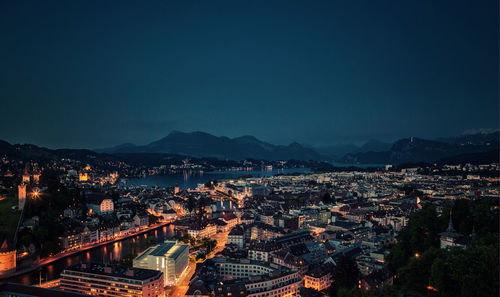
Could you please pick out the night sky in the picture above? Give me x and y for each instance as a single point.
(100, 73)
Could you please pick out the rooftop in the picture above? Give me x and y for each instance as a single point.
(11, 289)
(114, 270)
(170, 249)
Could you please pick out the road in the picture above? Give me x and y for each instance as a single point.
(181, 288)
(221, 243)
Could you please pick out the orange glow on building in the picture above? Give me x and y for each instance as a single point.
(7, 258)
(83, 177)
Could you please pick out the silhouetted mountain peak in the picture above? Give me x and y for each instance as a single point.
(295, 145)
(113, 149)
(374, 145)
(413, 149)
(202, 144)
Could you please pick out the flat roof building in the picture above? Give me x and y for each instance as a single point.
(19, 290)
(170, 257)
(106, 280)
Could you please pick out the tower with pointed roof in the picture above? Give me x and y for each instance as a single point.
(450, 228)
(451, 238)
(26, 174)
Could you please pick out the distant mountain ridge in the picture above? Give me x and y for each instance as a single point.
(407, 150)
(339, 150)
(201, 144)
(481, 147)
(411, 150)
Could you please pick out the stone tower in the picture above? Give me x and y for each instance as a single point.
(21, 193)
(7, 258)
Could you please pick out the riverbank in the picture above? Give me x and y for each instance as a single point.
(65, 254)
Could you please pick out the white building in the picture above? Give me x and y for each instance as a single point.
(237, 237)
(100, 203)
(169, 257)
(198, 232)
(260, 278)
(318, 278)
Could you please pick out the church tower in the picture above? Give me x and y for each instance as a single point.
(26, 174)
(21, 193)
(450, 237)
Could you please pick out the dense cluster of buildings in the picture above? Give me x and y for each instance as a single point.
(306, 222)
(284, 234)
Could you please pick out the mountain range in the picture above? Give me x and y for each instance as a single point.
(201, 144)
(414, 150)
(481, 147)
(407, 150)
(335, 152)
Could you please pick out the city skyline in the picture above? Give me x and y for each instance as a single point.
(89, 75)
(229, 148)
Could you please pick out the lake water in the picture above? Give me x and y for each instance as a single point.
(190, 179)
(358, 165)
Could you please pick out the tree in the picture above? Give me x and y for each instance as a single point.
(425, 268)
(326, 198)
(472, 272)
(201, 207)
(50, 178)
(115, 196)
(345, 273)
(344, 292)
(191, 204)
(415, 275)
(420, 235)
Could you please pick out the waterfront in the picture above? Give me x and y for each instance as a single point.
(189, 179)
(114, 251)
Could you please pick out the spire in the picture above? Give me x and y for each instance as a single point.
(450, 225)
(6, 247)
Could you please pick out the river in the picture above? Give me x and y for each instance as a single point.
(106, 253)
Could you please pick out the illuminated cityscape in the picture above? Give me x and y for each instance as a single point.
(249, 149)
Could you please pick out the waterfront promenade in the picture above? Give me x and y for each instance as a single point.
(67, 253)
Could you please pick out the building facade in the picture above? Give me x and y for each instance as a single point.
(21, 194)
(112, 280)
(198, 232)
(260, 279)
(170, 257)
(7, 258)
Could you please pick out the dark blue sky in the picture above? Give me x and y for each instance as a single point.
(99, 73)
